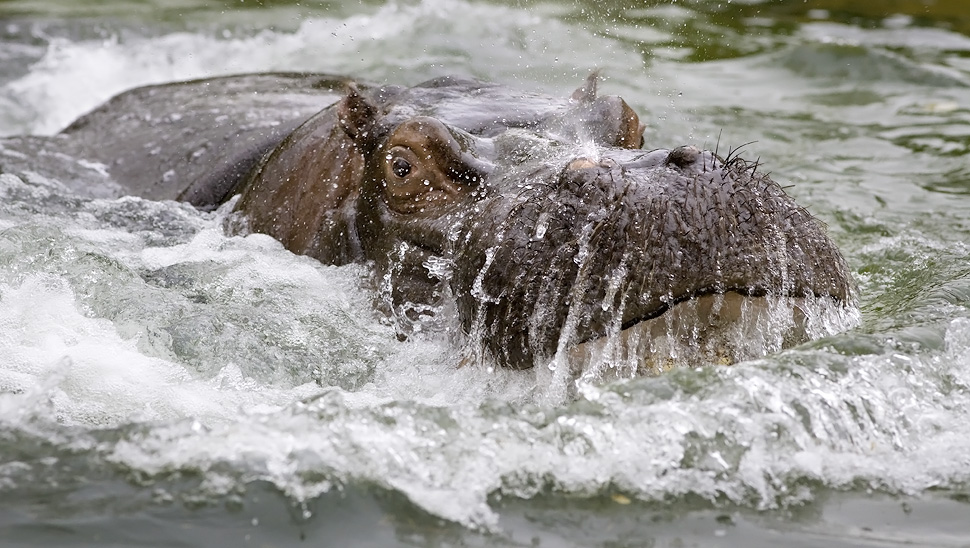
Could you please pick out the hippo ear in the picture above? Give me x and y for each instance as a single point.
(357, 115)
(586, 93)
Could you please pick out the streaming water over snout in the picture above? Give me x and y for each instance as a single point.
(165, 383)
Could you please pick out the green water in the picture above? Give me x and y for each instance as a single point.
(139, 413)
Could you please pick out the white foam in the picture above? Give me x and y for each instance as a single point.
(96, 378)
(76, 313)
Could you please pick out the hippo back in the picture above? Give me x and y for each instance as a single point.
(190, 141)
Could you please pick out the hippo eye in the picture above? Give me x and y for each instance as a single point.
(401, 167)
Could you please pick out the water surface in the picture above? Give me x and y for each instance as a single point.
(164, 383)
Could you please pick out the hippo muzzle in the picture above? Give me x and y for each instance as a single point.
(542, 221)
(602, 244)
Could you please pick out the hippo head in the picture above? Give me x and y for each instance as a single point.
(543, 221)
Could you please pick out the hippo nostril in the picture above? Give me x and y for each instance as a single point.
(684, 156)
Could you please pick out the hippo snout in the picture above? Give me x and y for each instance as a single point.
(621, 239)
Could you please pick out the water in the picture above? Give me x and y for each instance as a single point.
(164, 383)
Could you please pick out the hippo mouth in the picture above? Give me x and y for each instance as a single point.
(713, 328)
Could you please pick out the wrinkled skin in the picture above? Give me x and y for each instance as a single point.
(541, 218)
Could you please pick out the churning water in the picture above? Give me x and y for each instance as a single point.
(162, 382)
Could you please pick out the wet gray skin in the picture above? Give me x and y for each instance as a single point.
(540, 217)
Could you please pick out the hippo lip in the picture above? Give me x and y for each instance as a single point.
(748, 292)
(719, 328)
(667, 306)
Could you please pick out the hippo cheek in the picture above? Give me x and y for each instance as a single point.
(611, 246)
(409, 253)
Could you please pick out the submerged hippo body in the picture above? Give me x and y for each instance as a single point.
(539, 221)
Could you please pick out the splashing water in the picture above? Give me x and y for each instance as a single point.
(148, 357)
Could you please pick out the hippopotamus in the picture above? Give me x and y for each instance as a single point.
(536, 225)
